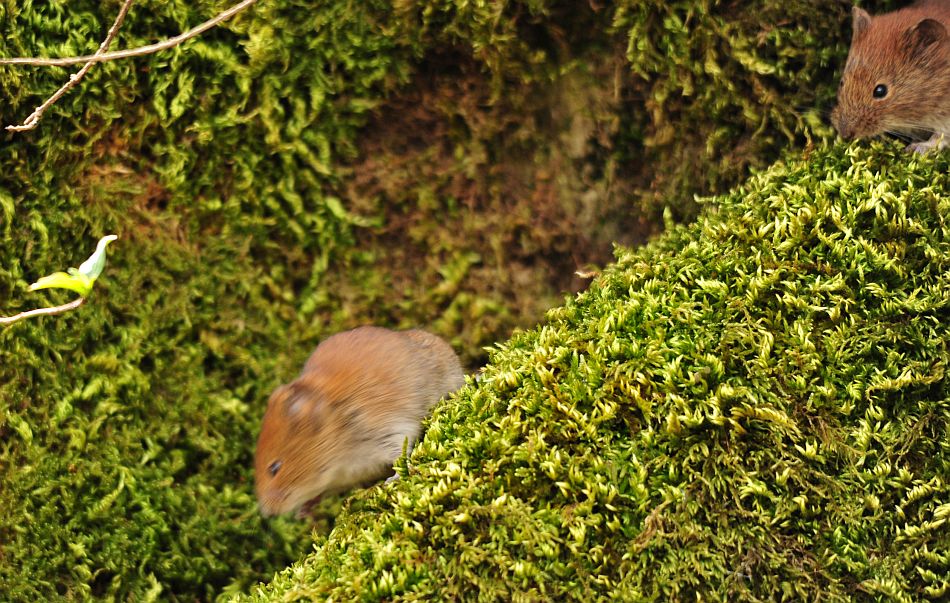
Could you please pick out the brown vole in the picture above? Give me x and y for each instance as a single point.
(344, 420)
(897, 76)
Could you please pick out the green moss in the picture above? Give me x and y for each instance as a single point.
(126, 428)
(721, 88)
(752, 408)
(238, 171)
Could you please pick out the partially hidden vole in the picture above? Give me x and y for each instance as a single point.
(897, 76)
(343, 422)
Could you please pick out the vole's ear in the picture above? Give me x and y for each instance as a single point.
(277, 395)
(300, 402)
(924, 36)
(860, 23)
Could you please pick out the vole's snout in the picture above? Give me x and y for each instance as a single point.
(844, 128)
(265, 511)
(272, 501)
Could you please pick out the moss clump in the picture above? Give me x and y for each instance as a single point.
(754, 407)
(717, 88)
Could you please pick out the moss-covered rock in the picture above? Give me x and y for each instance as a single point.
(754, 407)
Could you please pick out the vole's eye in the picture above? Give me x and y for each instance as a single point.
(880, 91)
(274, 468)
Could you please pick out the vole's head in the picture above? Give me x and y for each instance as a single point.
(298, 444)
(888, 80)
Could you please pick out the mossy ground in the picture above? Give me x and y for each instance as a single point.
(754, 407)
(270, 186)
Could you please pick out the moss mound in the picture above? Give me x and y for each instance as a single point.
(755, 407)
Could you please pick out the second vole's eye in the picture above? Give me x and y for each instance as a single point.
(274, 468)
(880, 91)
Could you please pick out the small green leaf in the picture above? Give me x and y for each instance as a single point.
(79, 283)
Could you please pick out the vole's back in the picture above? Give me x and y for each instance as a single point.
(446, 371)
(385, 371)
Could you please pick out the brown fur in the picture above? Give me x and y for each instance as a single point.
(908, 51)
(361, 395)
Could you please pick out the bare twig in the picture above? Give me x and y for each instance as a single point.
(133, 52)
(30, 122)
(5, 320)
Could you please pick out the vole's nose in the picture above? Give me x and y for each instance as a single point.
(845, 129)
(272, 501)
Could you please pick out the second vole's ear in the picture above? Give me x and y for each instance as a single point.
(924, 36)
(860, 23)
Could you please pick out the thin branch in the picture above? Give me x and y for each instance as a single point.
(30, 122)
(133, 52)
(5, 320)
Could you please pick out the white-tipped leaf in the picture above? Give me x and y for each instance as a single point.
(92, 267)
(80, 280)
